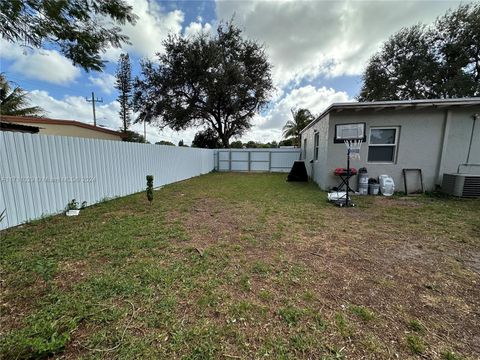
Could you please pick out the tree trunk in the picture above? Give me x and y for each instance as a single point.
(225, 141)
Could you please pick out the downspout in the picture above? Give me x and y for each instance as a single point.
(443, 149)
(475, 117)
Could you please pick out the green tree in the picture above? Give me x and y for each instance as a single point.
(300, 119)
(287, 142)
(14, 100)
(207, 138)
(420, 62)
(236, 144)
(163, 142)
(123, 84)
(81, 29)
(219, 82)
(132, 136)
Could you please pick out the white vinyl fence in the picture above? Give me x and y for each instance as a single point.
(273, 160)
(40, 174)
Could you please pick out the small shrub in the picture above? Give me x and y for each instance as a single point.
(72, 205)
(150, 188)
(416, 344)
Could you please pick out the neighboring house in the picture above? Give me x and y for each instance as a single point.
(59, 127)
(435, 136)
(8, 126)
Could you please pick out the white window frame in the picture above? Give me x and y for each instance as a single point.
(394, 145)
(316, 143)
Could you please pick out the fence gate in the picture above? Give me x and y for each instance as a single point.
(271, 160)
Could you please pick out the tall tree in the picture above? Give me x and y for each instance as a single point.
(82, 29)
(14, 101)
(123, 84)
(207, 139)
(293, 127)
(216, 81)
(420, 62)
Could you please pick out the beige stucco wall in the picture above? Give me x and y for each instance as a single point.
(420, 144)
(71, 130)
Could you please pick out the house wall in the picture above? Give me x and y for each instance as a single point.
(420, 143)
(316, 169)
(70, 130)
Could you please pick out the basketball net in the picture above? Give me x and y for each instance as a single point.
(354, 146)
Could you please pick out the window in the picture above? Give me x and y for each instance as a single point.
(315, 146)
(383, 144)
(305, 149)
(349, 132)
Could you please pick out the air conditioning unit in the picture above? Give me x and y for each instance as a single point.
(463, 185)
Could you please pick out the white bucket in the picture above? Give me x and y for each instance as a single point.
(387, 186)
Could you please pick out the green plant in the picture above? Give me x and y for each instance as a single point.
(416, 325)
(150, 188)
(291, 315)
(362, 312)
(416, 344)
(72, 205)
(450, 355)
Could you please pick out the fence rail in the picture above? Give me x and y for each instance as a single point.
(273, 160)
(40, 174)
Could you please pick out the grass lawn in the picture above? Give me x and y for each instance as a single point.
(243, 266)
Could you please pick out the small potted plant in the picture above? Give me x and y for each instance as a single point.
(73, 209)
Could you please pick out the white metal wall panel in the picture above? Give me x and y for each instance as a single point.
(40, 174)
(274, 160)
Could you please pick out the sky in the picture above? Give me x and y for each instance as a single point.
(318, 50)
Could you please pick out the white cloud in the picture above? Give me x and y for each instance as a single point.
(196, 27)
(308, 97)
(307, 38)
(76, 108)
(105, 81)
(152, 27)
(40, 64)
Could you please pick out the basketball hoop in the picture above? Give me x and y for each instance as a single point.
(353, 147)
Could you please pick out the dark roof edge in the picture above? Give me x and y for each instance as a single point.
(42, 120)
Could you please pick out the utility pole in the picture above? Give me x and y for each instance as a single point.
(93, 100)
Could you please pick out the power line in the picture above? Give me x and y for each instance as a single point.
(93, 101)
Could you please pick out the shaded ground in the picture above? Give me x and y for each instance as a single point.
(246, 266)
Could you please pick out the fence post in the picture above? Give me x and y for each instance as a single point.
(249, 164)
(270, 161)
(229, 160)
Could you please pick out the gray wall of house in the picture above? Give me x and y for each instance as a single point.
(420, 143)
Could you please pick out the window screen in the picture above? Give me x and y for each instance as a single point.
(382, 144)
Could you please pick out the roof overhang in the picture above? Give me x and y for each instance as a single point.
(396, 105)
